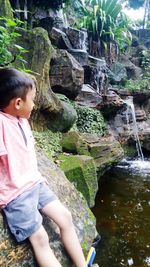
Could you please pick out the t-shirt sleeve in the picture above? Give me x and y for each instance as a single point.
(3, 150)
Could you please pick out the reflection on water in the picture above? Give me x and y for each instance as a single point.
(123, 216)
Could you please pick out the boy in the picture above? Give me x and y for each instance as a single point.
(24, 194)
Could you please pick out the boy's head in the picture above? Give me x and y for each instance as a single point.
(17, 92)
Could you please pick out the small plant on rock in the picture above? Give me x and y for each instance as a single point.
(10, 51)
(90, 121)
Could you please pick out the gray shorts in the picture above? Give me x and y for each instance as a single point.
(23, 213)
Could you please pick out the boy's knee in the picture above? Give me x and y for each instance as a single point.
(67, 217)
(40, 237)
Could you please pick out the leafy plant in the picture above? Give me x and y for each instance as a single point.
(144, 60)
(90, 120)
(121, 33)
(104, 20)
(139, 84)
(49, 142)
(9, 49)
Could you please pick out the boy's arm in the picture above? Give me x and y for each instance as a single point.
(3, 164)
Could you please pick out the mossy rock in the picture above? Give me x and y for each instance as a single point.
(81, 171)
(5, 9)
(129, 150)
(106, 154)
(63, 120)
(73, 142)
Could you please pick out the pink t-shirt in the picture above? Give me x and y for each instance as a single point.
(18, 164)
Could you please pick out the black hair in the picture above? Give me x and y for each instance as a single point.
(13, 83)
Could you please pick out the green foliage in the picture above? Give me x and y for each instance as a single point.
(148, 24)
(143, 83)
(105, 20)
(121, 33)
(138, 85)
(144, 60)
(90, 120)
(49, 142)
(9, 50)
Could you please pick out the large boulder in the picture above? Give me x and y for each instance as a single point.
(81, 171)
(80, 55)
(96, 74)
(105, 151)
(38, 58)
(63, 120)
(73, 142)
(59, 39)
(133, 71)
(66, 74)
(117, 73)
(106, 154)
(110, 105)
(14, 255)
(78, 38)
(88, 97)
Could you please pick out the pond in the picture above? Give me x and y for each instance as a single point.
(122, 211)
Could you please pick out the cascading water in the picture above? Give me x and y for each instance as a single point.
(131, 109)
(84, 40)
(62, 15)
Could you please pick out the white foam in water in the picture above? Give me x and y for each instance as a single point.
(136, 166)
(148, 261)
(142, 165)
(130, 262)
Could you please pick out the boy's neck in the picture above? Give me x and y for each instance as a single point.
(10, 110)
(10, 115)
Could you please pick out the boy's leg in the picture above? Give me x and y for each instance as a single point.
(62, 217)
(43, 253)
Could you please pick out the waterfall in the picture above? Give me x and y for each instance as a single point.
(130, 107)
(60, 13)
(84, 40)
(97, 79)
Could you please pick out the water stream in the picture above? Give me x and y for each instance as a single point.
(123, 215)
(83, 41)
(131, 109)
(61, 14)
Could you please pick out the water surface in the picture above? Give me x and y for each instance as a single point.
(123, 216)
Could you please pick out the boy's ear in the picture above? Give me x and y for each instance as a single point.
(18, 103)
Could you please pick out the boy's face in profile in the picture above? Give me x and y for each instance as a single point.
(21, 108)
(24, 107)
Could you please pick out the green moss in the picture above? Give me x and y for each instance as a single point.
(85, 246)
(69, 141)
(73, 142)
(49, 142)
(81, 171)
(90, 120)
(129, 151)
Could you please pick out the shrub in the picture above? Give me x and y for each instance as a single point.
(9, 50)
(49, 142)
(90, 120)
